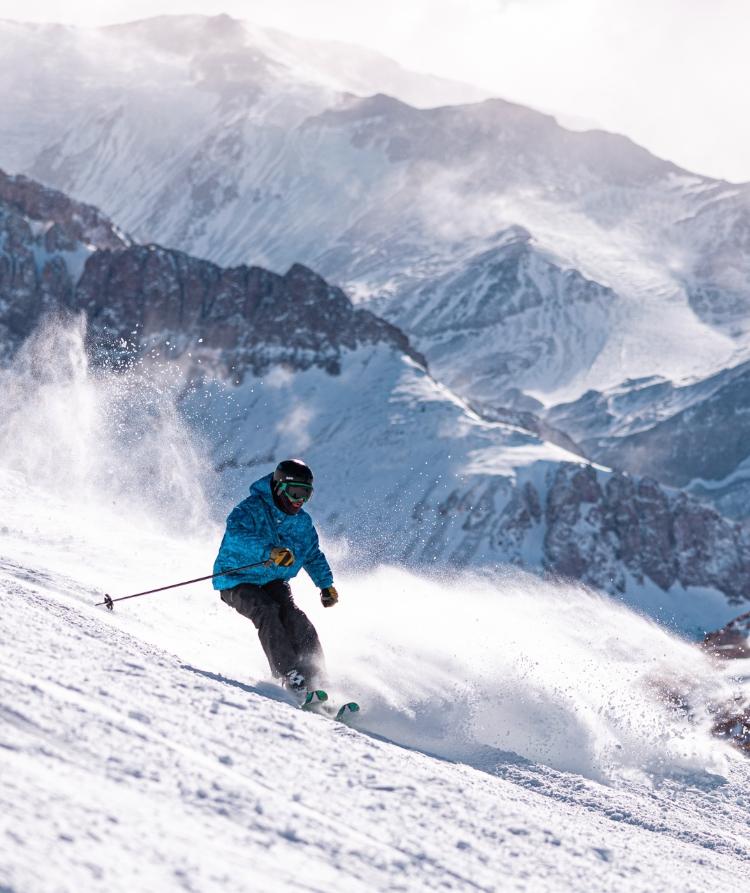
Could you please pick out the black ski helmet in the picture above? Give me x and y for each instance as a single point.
(293, 471)
(292, 485)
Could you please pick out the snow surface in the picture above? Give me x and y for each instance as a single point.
(515, 734)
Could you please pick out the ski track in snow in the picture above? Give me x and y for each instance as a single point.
(126, 767)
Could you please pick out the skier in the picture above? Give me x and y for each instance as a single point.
(271, 526)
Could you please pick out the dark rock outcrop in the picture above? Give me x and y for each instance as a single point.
(69, 223)
(732, 642)
(45, 238)
(149, 297)
(598, 530)
(58, 254)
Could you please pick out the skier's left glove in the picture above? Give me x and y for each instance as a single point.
(329, 596)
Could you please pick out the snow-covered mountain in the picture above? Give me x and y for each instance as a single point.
(528, 263)
(267, 366)
(257, 157)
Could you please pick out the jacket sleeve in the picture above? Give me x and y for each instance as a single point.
(245, 542)
(316, 564)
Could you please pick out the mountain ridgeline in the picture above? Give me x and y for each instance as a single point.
(62, 255)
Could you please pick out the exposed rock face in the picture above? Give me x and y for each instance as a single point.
(68, 224)
(601, 525)
(732, 723)
(610, 530)
(732, 642)
(56, 253)
(45, 238)
(148, 296)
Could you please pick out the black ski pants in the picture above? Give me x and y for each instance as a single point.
(287, 636)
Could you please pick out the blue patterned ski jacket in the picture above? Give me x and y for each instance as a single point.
(254, 527)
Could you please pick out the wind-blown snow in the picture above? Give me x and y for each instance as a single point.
(515, 734)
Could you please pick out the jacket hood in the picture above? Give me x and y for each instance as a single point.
(262, 488)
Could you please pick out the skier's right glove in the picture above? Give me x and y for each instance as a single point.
(329, 596)
(282, 557)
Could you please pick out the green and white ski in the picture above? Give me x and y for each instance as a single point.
(316, 701)
(347, 711)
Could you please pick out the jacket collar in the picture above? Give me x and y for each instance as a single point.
(262, 488)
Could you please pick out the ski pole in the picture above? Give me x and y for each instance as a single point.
(109, 601)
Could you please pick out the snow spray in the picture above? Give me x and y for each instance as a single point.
(485, 671)
(107, 440)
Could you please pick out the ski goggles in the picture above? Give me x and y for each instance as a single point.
(295, 492)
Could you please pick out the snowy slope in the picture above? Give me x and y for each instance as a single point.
(128, 766)
(504, 744)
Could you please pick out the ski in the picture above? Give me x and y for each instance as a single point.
(316, 701)
(347, 711)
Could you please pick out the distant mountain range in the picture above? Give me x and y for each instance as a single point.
(274, 365)
(535, 268)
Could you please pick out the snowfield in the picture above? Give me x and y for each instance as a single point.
(130, 765)
(516, 734)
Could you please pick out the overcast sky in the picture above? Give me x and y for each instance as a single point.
(674, 75)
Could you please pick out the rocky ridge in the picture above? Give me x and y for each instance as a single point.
(45, 239)
(247, 318)
(68, 223)
(732, 719)
(602, 527)
(59, 254)
(732, 641)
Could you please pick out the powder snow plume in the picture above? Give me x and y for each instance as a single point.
(100, 438)
(99, 468)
